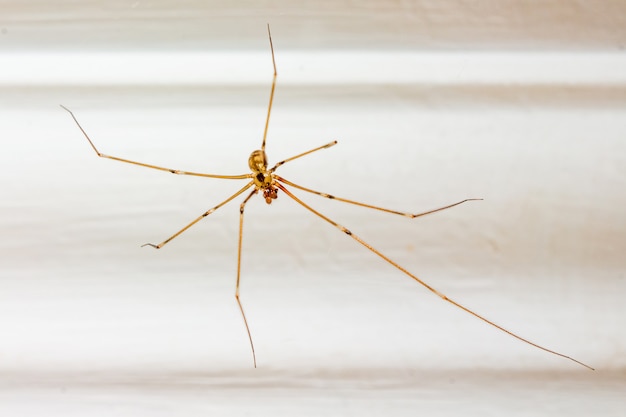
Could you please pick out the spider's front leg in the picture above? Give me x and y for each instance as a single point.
(196, 220)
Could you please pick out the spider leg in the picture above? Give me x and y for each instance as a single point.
(173, 171)
(401, 213)
(241, 209)
(328, 145)
(269, 107)
(431, 289)
(206, 213)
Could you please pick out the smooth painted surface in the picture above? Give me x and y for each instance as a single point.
(92, 324)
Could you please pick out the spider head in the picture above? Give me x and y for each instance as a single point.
(270, 193)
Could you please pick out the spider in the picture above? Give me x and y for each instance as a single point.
(263, 180)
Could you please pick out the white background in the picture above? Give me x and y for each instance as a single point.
(521, 103)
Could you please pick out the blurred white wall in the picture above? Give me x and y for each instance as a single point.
(521, 103)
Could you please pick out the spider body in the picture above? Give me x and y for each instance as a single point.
(262, 177)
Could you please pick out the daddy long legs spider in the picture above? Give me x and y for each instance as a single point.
(263, 179)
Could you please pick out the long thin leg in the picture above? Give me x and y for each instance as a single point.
(269, 108)
(328, 145)
(410, 215)
(206, 213)
(241, 209)
(431, 289)
(173, 171)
